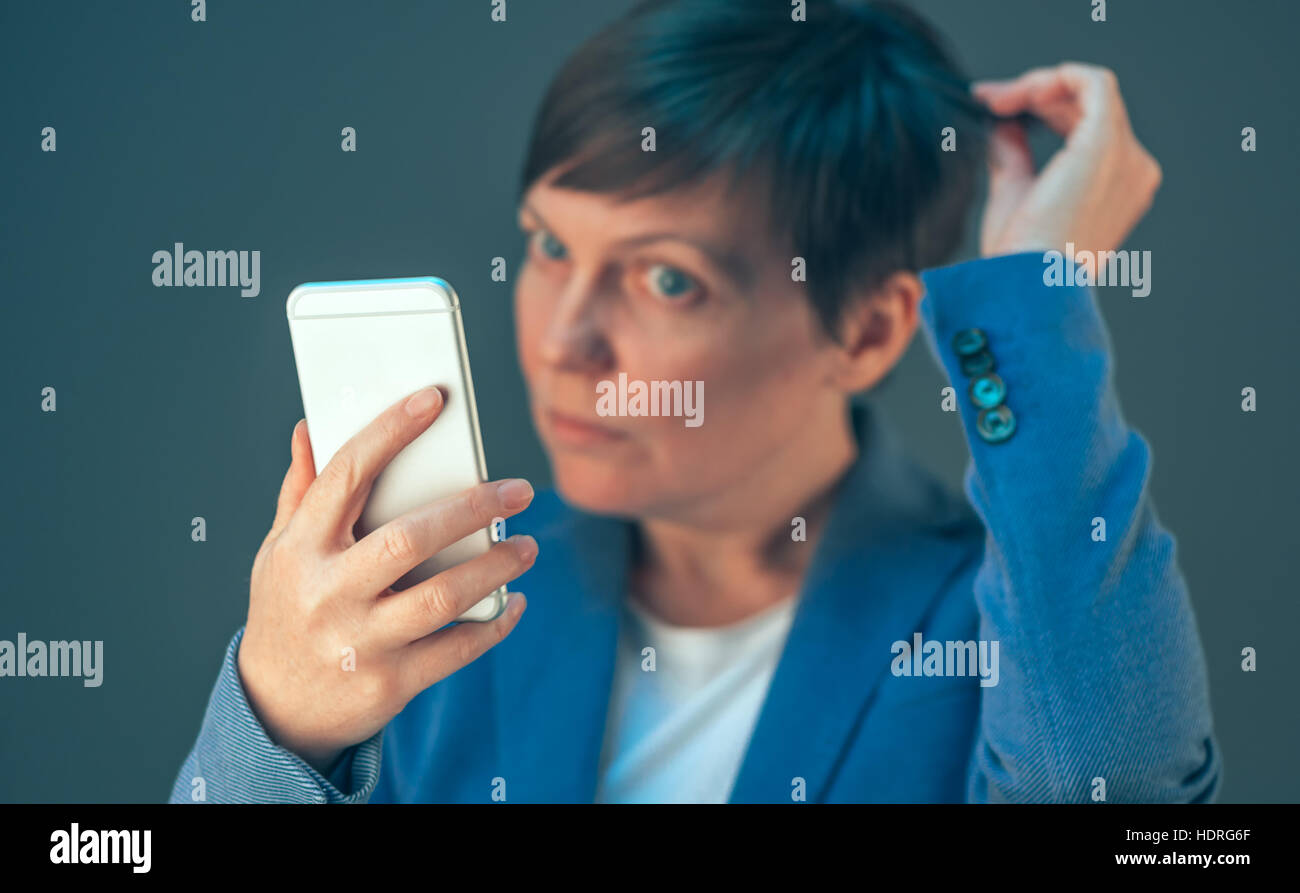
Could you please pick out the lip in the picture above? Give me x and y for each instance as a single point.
(575, 431)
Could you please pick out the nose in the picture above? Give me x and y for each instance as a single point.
(575, 339)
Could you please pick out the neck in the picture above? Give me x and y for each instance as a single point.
(735, 554)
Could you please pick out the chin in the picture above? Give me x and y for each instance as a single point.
(602, 489)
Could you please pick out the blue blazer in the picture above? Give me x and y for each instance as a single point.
(1101, 689)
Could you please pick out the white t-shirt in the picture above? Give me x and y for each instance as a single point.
(677, 734)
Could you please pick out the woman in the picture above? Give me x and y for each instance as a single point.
(768, 603)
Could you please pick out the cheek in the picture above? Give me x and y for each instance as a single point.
(772, 362)
(758, 406)
(760, 384)
(531, 314)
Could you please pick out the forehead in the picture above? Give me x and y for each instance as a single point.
(709, 210)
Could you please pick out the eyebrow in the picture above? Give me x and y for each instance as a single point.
(729, 262)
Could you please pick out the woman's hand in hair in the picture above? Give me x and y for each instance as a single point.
(1092, 192)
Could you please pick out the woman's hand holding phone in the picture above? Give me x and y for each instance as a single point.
(331, 652)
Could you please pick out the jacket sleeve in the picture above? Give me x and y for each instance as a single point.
(235, 761)
(1102, 690)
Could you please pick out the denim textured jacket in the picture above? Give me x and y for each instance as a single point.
(1101, 679)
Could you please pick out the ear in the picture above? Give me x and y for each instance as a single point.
(875, 330)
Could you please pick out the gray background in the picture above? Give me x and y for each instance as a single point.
(225, 135)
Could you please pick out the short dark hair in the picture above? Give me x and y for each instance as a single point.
(843, 113)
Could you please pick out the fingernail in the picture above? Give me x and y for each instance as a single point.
(423, 402)
(514, 605)
(525, 545)
(515, 493)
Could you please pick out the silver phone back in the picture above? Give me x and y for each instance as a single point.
(362, 346)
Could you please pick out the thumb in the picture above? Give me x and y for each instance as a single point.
(1011, 162)
(1011, 176)
(297, 479)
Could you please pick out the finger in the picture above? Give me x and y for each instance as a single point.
(979, 88)
(407, 616)
(1051, 101)
(1099, 96)
(1013, 96)
(436, 657)
(335, 499)
(297, 479)
(1063, 96)
(382, 556)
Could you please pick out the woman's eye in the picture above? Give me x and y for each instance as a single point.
(550, 246)
(670, 282)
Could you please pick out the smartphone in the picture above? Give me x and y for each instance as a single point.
(362, 346)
